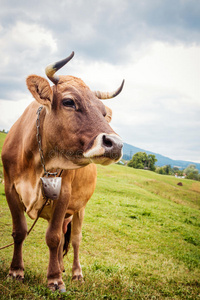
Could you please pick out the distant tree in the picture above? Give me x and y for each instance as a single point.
(177, 171)
(159, 170)
(192, 172)
(138, 160)
(191, 169)
(141, 160)
(151, 162)
(166, 170)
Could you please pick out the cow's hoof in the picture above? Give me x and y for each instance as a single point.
(57, 287)
(20, 278)
(16, 274)
(78, 278)
(52, 287)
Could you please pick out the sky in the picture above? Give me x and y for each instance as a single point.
(153, 44)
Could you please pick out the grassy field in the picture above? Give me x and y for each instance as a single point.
(141, 240)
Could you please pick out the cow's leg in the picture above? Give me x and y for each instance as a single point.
(19, 233)
(67, 232)
(54, 236)
(60, 254)
(76, 239)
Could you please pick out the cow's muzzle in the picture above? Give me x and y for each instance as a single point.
(106, 149)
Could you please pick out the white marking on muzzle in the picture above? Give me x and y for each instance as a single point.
(97, 149)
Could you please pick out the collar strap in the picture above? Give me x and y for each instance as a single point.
(39, 140)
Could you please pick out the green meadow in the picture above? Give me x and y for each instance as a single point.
(141, 240)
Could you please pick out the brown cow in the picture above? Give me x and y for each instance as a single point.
(74, 132)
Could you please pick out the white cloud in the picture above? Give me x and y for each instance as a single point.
(12, 110)
(21, 46)
(32, 36)
(25, 37)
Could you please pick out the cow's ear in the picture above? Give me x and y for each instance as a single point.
(40, 89)
(108, 116)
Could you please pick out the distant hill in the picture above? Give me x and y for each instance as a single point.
(130, 150)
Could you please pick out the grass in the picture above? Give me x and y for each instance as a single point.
(141, 240)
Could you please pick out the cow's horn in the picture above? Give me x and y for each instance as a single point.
(53, 68)
(107, 95)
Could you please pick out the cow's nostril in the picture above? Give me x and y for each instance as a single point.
(107, 142)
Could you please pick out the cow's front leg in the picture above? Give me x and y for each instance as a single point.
(76, 237)
(54, 241)
(19, 233)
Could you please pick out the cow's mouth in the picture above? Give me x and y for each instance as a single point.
(103, 160)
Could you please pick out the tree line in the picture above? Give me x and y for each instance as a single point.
(141, 160)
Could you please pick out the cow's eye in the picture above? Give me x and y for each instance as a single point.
(69, 103)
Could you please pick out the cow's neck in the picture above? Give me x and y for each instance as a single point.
(50, 157)
(40, 145)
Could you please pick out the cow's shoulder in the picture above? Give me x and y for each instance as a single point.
(20, 138)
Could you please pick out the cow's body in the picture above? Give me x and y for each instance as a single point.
(22, 159)
(74, 133)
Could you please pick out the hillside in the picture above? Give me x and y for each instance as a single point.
(129, 151)
(141, 240)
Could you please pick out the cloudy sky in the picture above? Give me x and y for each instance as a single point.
(153, 44)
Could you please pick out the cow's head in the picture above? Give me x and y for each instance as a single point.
(75, 128)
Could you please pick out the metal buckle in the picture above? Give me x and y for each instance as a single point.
(51, 187)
